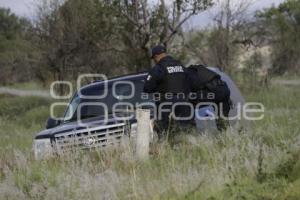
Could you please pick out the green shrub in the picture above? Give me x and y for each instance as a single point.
(15, 107)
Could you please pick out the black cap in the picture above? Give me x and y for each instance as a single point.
(159, 49)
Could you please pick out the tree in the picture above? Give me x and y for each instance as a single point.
(16, 51)
(75, 37)
(282, 32)
(219, 44)
(144, 25)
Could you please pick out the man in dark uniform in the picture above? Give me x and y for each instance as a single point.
(168, 79)
(209, 87)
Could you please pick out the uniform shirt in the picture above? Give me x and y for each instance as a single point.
(167, 76)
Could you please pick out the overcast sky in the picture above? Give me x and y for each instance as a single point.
(24, 8)
(204, 18)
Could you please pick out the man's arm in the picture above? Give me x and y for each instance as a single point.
(155, 75)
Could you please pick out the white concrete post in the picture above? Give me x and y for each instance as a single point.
(143, 133)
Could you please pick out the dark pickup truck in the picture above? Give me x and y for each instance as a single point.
(96, 125)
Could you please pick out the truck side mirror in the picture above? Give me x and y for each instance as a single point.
(51, 123)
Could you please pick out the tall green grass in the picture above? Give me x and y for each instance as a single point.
(262, 162)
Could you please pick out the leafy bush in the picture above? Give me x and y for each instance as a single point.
(12, 108)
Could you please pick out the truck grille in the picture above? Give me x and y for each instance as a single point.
(91, 138)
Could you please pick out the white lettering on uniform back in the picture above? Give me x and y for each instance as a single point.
(174, 69)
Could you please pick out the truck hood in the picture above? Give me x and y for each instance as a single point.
(73, 126)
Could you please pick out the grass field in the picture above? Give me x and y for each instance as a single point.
(260, 163)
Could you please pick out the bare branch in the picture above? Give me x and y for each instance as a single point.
(178, 26)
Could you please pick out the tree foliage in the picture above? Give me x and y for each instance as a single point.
(71, 37)
(219, 45)
(107, 36)
(16, 52)
(283, 34)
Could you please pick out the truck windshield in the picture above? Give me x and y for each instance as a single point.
(72, 108)
(95, 107)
